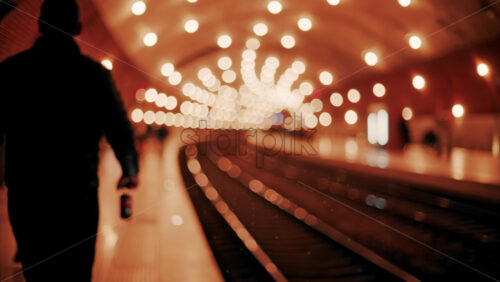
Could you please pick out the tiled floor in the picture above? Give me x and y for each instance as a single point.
(162, 242)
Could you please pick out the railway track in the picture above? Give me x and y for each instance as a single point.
(286, 242)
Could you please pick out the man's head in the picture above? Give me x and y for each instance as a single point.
(59, 15)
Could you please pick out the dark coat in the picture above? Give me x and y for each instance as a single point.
(55, 106)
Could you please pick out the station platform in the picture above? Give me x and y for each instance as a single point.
(459, 171)
(163, 241)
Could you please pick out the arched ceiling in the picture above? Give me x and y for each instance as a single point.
(339, 36)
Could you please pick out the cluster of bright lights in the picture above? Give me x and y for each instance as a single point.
(160, 99)
(260, 102)
(261, 96)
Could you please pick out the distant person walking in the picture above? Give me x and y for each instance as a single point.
(55, 105)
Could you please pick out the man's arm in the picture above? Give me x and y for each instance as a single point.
(119, 132)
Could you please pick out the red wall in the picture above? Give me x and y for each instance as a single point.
(449, 80)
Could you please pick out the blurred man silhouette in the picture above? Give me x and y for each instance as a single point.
(55, 105)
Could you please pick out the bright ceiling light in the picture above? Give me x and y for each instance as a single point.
(171, 103)
(138, 8)
(253, 43)
(107, 64)
(311, 121)
(351, 117)
(317, 105)
(326, 78)
(224, 41)
(167, 69)
(175, 78)
(458, 110)
(404, 3)
(229, 76)
(137, 115)
(224, 63)
(306, 88)
(483, 69)
(304, 24)
(418, 82)
(192, 1)
(161, 100)
(415, 42)
(333, 2)
(379, 90)
(274, 7)
(191, 26)
(325, 119)
(407, 113)
(150, 95)
(272, 62)
(287, 41)
(353, 96)
(336, 99)
(371, 58)
(299, 67)
(260, 29)
(204, 74)
(150, 39)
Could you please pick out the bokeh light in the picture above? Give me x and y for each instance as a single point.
(107, 64)
(288, 41)
(224, 41)
(351, 117)
(336, 99)
(191, 26)
(458, 110)
(353, 96)
(483, 69)
(379, 90)
(167, 69)
(407, 113)
(138, 8)
(274, 7)
(260, 29)
(304, 24)
(418, 82)
(150, 39)
(415, 42)
(371, 58)
(326, 78)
